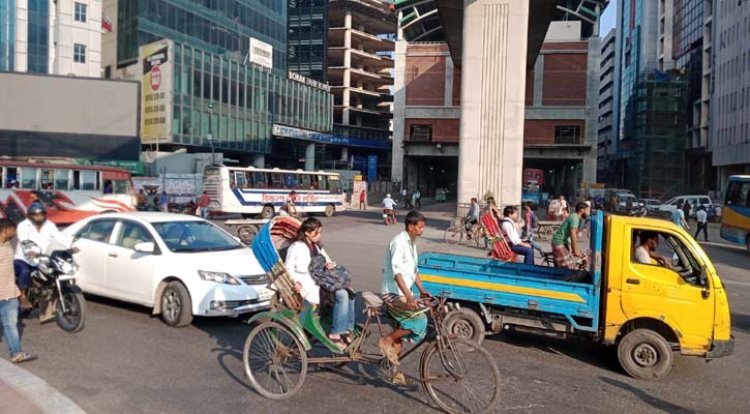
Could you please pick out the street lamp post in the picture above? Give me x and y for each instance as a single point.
(210, 132)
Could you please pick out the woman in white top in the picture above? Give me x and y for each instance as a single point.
(298, 258)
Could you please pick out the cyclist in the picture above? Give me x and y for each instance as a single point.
(389, 210)
(472, 217)
(565, 240)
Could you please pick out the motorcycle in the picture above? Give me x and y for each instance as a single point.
(53, 292)
(389, 216)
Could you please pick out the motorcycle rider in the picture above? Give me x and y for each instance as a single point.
(389, 209)
(41, 231)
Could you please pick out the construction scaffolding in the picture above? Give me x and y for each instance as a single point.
(657, 132)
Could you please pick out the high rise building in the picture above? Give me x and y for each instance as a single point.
(730, 108)
(608, 98)
(60, 37)
(218, 27)
(308, 38)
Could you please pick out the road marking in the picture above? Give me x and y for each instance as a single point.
(735, 282)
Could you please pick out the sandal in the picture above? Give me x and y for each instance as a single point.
(341, 345)
(399, 379)
(23, 357)
(347, 338)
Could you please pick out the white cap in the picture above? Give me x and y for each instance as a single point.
(388, 195)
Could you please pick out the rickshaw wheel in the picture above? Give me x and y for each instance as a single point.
(275, 361)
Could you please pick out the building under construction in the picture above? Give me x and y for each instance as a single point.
(652, 162)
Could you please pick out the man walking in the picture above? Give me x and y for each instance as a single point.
(203, 203)
(363, 200)
(702, 217)
(405, 196)
(9, 294)
(678, 218)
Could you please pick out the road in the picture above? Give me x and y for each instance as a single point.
(125, 360)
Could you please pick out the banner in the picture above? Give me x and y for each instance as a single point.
(261, 53)
(157, 59)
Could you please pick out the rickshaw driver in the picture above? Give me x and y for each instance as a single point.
(399, 277)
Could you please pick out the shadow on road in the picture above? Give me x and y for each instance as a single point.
(649, 399)
(741, 322)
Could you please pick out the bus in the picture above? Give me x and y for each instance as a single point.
(70, 192)
(261, 191)
(735, 216)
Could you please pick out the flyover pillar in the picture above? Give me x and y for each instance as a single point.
(493, 81)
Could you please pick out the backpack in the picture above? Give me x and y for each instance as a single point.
(329, 280)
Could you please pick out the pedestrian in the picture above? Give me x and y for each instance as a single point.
(686, 211)
(141, 199)
(203, 203)
(290, 206)
(9, 294)
(164, 201)
(418, 204)
(405, 196)
(414, 199)
(363, 200)
(678, 218)
(702, 218)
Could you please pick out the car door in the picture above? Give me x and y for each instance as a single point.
(92, 240)
(676, 295)
(130, 274)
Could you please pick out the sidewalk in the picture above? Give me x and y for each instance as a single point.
(21, 392)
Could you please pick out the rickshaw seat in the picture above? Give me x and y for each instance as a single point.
(372, 301)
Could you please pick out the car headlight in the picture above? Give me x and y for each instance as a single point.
(218, 277)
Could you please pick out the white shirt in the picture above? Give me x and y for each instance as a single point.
(42, 237)
(701, 216)
(400, 259)
(388, 203)
(642, 255)
(509, 229)
(298, 265)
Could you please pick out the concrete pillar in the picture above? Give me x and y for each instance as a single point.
(345, 154)
(310, 157)
(539, 80)
(448, 83)
(492, 102)
(399, 111)
(259, 161)
(347, 76)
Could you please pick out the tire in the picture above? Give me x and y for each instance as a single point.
(466, 324)
(75, 318)
(460, 381)
(176, 306)
(645, 354)
(747, 244)
(272, 348)
(478, 235)
(453, 235)
(330, 210)
(247, 233)
(267, 212)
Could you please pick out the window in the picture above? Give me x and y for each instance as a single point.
(260, 179)
(668, 251)
(97, 230)
(80, 12)
(567, 134)
(132, 233)
(28, 178)
(737, 193)
(48, 178)
(86, 180)
(420, 133)
(79, 53)
(120, 186)
(61, 179)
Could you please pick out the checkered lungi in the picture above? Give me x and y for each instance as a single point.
(407, 319)
(563, 257)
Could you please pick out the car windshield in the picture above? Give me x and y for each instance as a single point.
(195, 236)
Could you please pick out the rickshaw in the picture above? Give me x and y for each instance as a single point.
(459, 375)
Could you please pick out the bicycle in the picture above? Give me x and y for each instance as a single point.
(457, 374)
(457, 231)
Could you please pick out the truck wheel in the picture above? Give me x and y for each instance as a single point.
(465, 323)
(644, 354)
(330, 210)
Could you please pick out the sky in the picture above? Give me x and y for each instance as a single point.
(608, 19)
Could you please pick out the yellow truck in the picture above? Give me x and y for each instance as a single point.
(648, 307)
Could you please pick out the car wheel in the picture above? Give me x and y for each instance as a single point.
(645, 354)
(176, 307)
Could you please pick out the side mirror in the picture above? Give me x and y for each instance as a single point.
(145, 247)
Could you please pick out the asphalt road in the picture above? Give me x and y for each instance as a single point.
(125, 360)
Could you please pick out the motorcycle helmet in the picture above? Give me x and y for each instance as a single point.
(37, 213)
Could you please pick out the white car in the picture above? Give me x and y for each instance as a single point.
(693, 200)
(177, 264)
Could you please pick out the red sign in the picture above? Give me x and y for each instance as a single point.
(155, 78)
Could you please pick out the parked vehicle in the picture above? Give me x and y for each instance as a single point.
(693, 200)
(179, 265)
(651, 204)
(53, 292)
(646, 310)
(735, 216)
(182, 208)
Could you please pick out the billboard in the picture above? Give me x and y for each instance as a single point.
(157, 60)
(261, 53)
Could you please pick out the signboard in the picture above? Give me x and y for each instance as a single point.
(309, 82)
(323, 138)
(157, 60)
(372, 168)
(261, 53)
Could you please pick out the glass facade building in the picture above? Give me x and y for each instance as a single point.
(308, 38)
(38, 36)
(216, 26)
(239, 103)
(7, 34)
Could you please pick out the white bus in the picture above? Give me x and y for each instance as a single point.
(261, 191)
